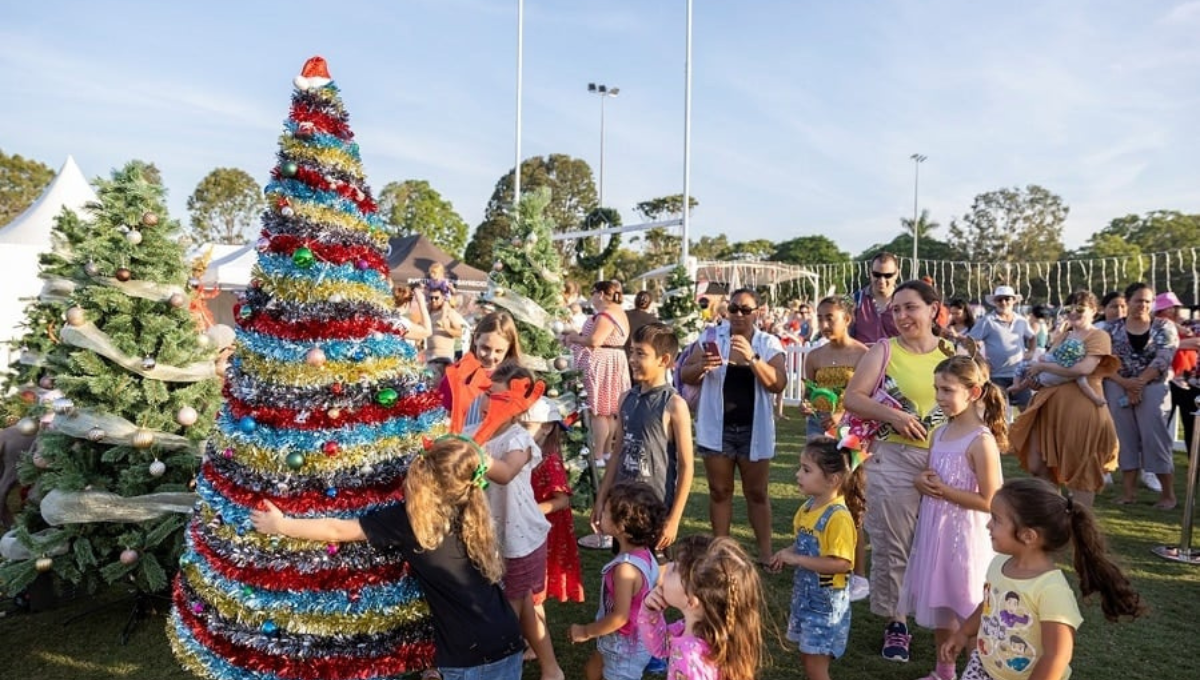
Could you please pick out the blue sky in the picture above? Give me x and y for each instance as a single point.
(805, 113)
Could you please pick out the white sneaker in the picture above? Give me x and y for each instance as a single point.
(860, 588)
(1107, 479)
(1151, 482)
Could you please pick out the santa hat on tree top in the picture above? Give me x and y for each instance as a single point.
(315, 74)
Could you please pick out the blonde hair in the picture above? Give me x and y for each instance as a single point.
(723, 579)
(502, 323)
(443, 498)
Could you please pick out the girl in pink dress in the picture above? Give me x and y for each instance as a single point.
(716, 586)
(951, 548)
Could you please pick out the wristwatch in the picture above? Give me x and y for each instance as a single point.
(755, 358)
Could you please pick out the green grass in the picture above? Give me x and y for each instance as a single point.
(39, 646)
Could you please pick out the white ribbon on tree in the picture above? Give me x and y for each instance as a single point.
(11, 547)
(88, 336)
(117, 431)
(81, 507)
(518, 305)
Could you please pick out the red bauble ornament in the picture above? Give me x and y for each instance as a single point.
(123, 274)
(336, 388)
(330, 448)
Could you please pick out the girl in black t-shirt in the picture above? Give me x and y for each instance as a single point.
(443, 528)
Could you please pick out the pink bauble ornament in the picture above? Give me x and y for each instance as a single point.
(187, 416)
(129, 556)
(315, 357)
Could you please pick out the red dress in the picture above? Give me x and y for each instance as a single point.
(564, 576)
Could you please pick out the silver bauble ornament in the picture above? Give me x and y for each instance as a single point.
(76, 316)
(557, 326)
(95, 434)
(129, 556)
(27, 426)
(177, 300)
(148, 363)
(187, 416)
(142, 439)
(46, 382)
(158, 468)
(91, 269)
(561, 363)
(63, 406)
(552, 393)
(134, 237)
(337, 298)
(193, 283)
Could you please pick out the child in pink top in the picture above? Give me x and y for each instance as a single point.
(716, 586)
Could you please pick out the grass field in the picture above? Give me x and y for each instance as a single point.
(40, 647)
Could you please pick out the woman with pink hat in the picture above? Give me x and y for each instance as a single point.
(1185, 375)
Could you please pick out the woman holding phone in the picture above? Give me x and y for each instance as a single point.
(739, 370)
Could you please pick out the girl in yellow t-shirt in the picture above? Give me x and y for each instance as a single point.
(1026, 623)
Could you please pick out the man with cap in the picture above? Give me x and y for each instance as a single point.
(1006, 337)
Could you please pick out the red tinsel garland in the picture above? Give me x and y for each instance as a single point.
(333, 578)
(397, 660)
(332, 253)
(369, 414)
(316, 180)
(307, 501)
(353, 328)
(303, 113)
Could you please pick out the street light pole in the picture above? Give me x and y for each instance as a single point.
(917, 159)
(605, 92)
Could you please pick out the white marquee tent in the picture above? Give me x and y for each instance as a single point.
(27, 237)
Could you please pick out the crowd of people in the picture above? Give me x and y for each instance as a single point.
(946, 388)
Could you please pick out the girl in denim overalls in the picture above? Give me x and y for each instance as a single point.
(634, 516)
(826, 531)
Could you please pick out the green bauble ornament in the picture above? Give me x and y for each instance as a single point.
(386, 397)
(303, 257)
(295, 460)
(289, 169)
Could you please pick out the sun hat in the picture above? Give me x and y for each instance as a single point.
(1166, 300)
(1001, 292)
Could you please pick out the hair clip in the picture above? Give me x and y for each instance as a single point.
(479, 477)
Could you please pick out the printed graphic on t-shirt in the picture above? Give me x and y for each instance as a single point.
(1004, 630)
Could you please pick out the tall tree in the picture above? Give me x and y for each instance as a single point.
(1158, 231)
(325, 408)
(709, 247)
(809, 250)
(660, 246)
(754, 250)
(1011, 225)
(414, 207)
(925, 225)
(224, 205)
(21, 182)
(572, 197)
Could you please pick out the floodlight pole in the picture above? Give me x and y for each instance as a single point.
(917, 159)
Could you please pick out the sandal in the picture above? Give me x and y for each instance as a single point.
(1124, 501)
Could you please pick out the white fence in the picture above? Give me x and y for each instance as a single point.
(793, 362)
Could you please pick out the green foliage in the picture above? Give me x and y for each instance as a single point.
(665, 207)
(709, 247)
(88, 255)
(414, 207)
(1011, 225)
(224, 205)
(530, 267)
(22, 180)
(572, 196)
(925, 225)
(809, 250)
(588, 257)
(679, 309)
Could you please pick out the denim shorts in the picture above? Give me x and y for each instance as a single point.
(735, 443)
(508, 668)
(625, 658)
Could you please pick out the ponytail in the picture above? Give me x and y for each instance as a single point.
(995, 407)
(854, 490)
(1097, 573)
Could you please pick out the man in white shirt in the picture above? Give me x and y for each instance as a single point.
(1006, 338)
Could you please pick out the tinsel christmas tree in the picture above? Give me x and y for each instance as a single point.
(127, 391)
(679, 309)
(325, 405)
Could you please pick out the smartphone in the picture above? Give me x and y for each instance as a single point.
(1123, 401)
(711, 349)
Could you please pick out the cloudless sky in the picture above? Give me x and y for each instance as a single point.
(805, 113)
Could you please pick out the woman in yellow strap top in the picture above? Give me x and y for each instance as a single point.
(901, 454)
(827, 369)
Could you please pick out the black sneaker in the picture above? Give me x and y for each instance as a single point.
(895, 642)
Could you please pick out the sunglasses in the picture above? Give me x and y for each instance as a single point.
(1076, 309)
(435, 298)
(1003, 299)
(746, 310)
(883, 275)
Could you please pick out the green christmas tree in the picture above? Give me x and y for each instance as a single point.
(129, 389)
(679, 308)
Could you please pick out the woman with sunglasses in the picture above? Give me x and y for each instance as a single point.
(738, 368)
(900, 454)
(1067, 435)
